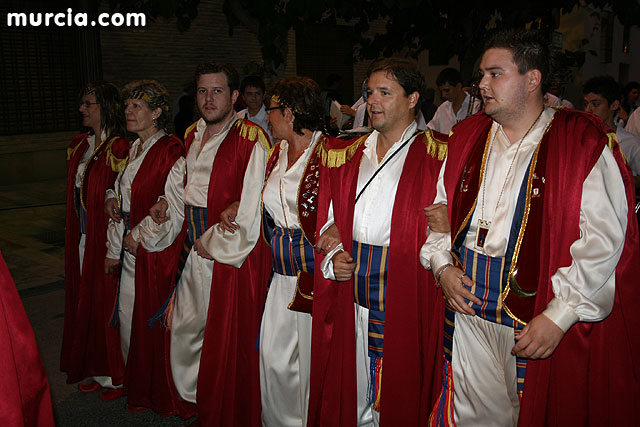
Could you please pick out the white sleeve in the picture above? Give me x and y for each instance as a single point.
(435, 250)
(157, 237)
(584, 291)
(327, 264)
(233, 249)
(633, 124)
(115, 231)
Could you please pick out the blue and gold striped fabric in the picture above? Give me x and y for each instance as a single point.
(196, 218)
(292, 252)
(488, 276)
(369, 291)
(81, 212)
(126, 217)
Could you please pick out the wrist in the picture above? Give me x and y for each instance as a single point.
(441, 271)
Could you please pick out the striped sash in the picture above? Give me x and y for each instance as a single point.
(292, 252)
(196, 218)
(81, 212)
(126, 217)
(369, 290)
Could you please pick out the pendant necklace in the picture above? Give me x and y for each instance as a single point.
(485, 225)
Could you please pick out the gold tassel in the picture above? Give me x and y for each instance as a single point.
(337, 157)
(435, 147)
(613, 137)
(252, 133)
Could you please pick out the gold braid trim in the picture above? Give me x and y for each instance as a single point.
(252, 133)
(435, 147)
(613, 137)
(71, 151)
(336, 157)
(189, 129)
(116, 164)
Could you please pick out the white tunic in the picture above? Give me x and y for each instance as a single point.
(285, 335)
(147, 230)
(192, 298)
(630, 147)
(482, 365)
(371, 225)
(444, 118)
(633, 124)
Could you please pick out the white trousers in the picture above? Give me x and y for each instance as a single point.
(285, 357)
(187, 325)
(484, 373)
(367, 416)
(126, 300)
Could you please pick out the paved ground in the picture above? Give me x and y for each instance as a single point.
(32, 243)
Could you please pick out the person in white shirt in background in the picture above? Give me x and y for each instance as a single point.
(252, 90)
(456, 102)
(601, 97)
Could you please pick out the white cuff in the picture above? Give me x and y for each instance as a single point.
(561, 314)
(327, 264)
(440, 259)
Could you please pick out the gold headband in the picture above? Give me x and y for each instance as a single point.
(277, 99)
(138, 94)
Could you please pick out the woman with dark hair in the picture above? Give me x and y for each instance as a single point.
(94, 158)
(290, 199)
(145, 249)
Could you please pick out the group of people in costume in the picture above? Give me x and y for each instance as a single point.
(402, 277)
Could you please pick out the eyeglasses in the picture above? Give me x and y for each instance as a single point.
(87, 104)
(269, 109)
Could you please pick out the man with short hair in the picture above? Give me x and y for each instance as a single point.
(252, 90)
(602, 98)
(539, 300)
(457, 104)
(223, 282)
(384, 368)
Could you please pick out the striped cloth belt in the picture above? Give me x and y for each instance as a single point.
(196, 218)
(81, 212)
(126, 217)
(292, 252)
(369, 290)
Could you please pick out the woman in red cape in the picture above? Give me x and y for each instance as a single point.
(89, 347)
(149, 261)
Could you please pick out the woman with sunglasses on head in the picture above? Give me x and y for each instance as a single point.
(147, 251)
(89, 348)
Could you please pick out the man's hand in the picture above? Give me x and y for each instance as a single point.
(158, 211)
(455, 287)
(201, 251)
(343, 266)
(228, 218)
(110, 265)
(328, 240)
(112, 210)
(539, 339)
(130, 245)
(437, 217)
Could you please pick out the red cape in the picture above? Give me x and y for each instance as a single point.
(591, 379)
(229, 379)
(89, 346)
(412, 355)
(25, 390)
(148, 379)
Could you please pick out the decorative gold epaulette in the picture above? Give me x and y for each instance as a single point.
(253, 132)
(71, 151)
(435, 148)
(116, 164)
(614, 138)
(336, 157)
(189, 129)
